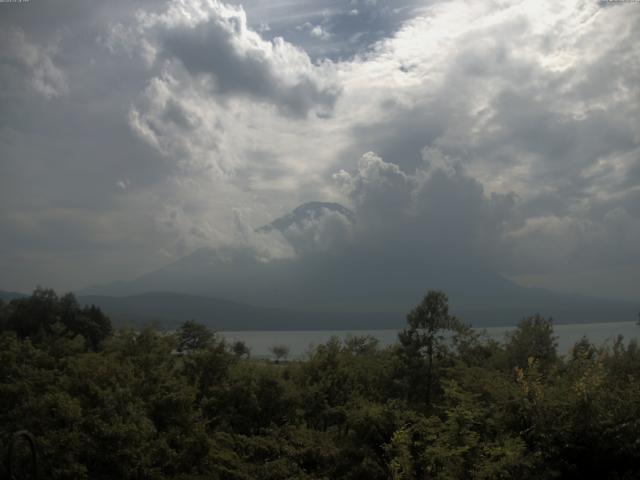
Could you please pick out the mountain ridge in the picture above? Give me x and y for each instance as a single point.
(354, 283)
(306, 211)
(169, 309)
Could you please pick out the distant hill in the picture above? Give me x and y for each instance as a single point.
(517, 302)
(354, 287)
(169, 310)
(8, 296)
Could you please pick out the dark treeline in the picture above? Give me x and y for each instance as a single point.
(144, 404)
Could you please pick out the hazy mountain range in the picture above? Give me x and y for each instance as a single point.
(230, 288)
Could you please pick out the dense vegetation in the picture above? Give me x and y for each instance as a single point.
(443, 403)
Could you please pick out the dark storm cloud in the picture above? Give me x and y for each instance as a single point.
(218, 44)
(436, 212)
(236, 74)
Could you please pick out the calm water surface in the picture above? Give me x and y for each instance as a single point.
(299, 342)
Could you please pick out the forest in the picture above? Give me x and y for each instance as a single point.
(444, 402)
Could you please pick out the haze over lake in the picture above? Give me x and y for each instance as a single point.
(300, 341)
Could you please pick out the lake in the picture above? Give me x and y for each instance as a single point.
(299, 342)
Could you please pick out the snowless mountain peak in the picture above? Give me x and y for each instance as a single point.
(305, 212)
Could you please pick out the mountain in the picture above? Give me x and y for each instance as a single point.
(343, 288)
(346, 293)
(169, 310)
(8, 296)
(307, 211)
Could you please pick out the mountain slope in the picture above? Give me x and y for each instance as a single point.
(356, 282)
(8, 296)
(347, 294)
(171, 309)
(307, 211)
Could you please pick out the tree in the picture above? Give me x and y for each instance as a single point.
(240, 349)
(4, 313)
(427, 323)
(45, 314)
(532, 338)
(280, 352)
(583, 350)
(193, 336)
(35, 315)
(361, 345)
(88, 321)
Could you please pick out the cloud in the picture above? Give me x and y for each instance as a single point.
(182, 125)
(21, 58)
(343, 29)
(438, 211)
(123, 184)
(213, 43)
(568, 243)
(528, 113)
(218, 93)
(327, 233)
(319, 32)
(520, 96)
(263, 246)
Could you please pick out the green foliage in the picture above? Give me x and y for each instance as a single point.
(279, 352)
(423, 342)
(533, 338)
(444, 403)
(193, 336)
(44, 315)
(240, 349)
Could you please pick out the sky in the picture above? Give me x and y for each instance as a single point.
(133, 133)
